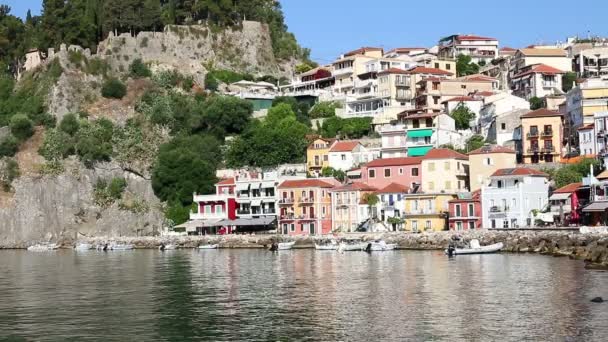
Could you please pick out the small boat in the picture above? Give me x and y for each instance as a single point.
(476, 248)
(286, 245)
(208, 246)
(349, 247)
(168, 247)
(331, 246)
(83, 247)
(379, 246)
(120, 247)
(43, 247)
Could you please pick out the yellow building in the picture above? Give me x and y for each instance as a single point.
(351, 64)
(486, 160)
(542, 136)
(317, 155)
(428, 211)
(445, 170)
(448, 65)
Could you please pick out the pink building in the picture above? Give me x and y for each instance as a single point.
(465, 211)
(380, 173)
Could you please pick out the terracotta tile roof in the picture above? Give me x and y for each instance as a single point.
(520, 171)
(431, 79)
(344, 146)
(568, 189)
(484, 93)
(306, 183)
(355, 186)
(406, 49)
(362, 50)
(226, 181)
(425, 70)
(330, 141)
(602, 175)
(543, 112)
(543, 52)
(394, 71)
(417, 115)
(473, 37)
(474, 196)
(395, 161)
(539, 69)
(444, 153)
(394, 188)
(586, 127)
(506, 48)
(492, 149)
(463, 99)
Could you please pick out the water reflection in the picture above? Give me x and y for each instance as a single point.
(228, 295)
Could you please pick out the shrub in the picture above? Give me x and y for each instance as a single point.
(9, 171)
(56, 145)
(106, 194)
(76, 57)
(69, 124)
(21, 127)
(9, 146)
(113, 88)
(138, 69)
(116, 187)
(97, 66)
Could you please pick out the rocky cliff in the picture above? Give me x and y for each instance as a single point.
(62, 208)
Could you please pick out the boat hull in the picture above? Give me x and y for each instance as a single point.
(208, 247)
(495, 248)
(286, 245)
(326, 247)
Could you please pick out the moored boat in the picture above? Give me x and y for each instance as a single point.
(476, 248)
(83, 247)
(215, 246)
(168, 247)
(379, 246)
(121, 247)
(42, 247)
(286, 245)
(349, 247)
(331, 246)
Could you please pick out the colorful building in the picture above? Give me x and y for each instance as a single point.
(542, 135)
(392, 204)
(213, 211)
(346, 155)
(445, 170)
(486, 160)
(317, 155)
(380, 173)
(426, 211)
(348, 207)
(305, 206)
(465, 211)
(566, 204)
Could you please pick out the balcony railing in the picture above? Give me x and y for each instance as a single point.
(269, 211)
(306, 200)
(534, 149)
(547, 133)
(552, 84)
(532, 134)
(499, 209)
(243, 212)
(601, 132)
(548, 149)
(286, 201)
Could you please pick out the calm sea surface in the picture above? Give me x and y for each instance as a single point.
(230, 295)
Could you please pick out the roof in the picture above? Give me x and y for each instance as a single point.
(477, 78)
(355, 186)
(406, 49)
(463, 99)
(362, 50)
(506, 48)
(596, 207)
(394, 161)
(484, 93)
(444, 153)
(540, 69)
(226, 181)
(602, 175)
(403, 115)
(474, 196)
(486, 149)
(543, 52)
(586, 127)
(570, 188)
(394, 188)
(305, 183)
(543, 112)
(394, 71)
(425, 70)
(327, 140)
(473, 37)
(344, 146)
(520, 171)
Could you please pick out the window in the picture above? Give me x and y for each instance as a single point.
(505, 223)
(513, 203)
(504, 204)
(431, 186)
(446, 166)
(415, 171)
(387, 173)
(415, 226)
(448, 66)
(463, 86)
(400, 170)
(499, 184)
(471, 225)
(372, 173)
(488, 161)
(427, 225)
(457, 211)
(436, 65)
(458, 225)
(431, 166)
(343, 156)
(493, 223)
(448, 185)
(325, 158)
(436, 99)
(323, 210)
(292, 227)
(503, 126)
(471, 210)
(219, 209)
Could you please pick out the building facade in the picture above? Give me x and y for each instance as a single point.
(542, 136)
(348, 207)
(380, 173)
(486, 160)
(465, 211)
(477, 47)
(317, 155)
(537, 80)
(445, 170)
(427, 211)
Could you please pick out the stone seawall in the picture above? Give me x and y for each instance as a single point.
(592, 247)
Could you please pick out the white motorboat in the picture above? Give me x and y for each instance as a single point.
(43, 247)
(120, 247)
(476, 248)
(83, 247)
(331, 246)
(168, 247)
(208, 246)
(379, 246)
(286, 245)
(349, 247)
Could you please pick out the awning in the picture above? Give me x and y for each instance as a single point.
(420, 133)
(560, 196)
(258, 221)
(193, 224)
(418, 151)
(256, 202)
(268, 184)
(242, 186)
(256, 185)
(596, 207)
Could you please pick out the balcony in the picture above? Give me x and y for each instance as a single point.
(550, 84)
(498, 209)
(306, 200)
(269, 211)
(286, 201)
(548, 133)
(533, 149)
(601, 132)
(425, 211)
(532, 134)
(288, 217)
(343, 71)
(207, 216)
(243, 212)
(461, 173)
(548, 149)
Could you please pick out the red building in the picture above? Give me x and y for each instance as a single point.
(214, 210)
(465, 211)
(380, 173)
(567, 202)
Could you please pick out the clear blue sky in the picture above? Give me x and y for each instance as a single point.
(331, 27)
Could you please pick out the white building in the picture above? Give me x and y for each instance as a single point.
(497, 105)
(392, 205)
(587, 140)
(512, 198)
(538, 80)
(479, 48)
(473, 102)
(348, 210)
(346, 155)
(590, 62)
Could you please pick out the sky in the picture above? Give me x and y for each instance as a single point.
(332, 27)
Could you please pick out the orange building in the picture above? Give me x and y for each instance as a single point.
(305, 206)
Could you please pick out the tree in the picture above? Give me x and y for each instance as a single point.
(465, 66)
(69, 124)
(224, 115)
(303, 67)
(371, 200)
(301, 109)
(94, 142)
(566, 176)
(57, 145)
(113, 88)
(138, 69)
(21, 127)
(353, 128)
(474, 142)
(9, 146)
(462, 116)
(536, 103)
(324, 109)
(331, 172)
(186, 165)
(568, 80)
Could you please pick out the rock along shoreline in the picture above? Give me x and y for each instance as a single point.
(590, 247)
